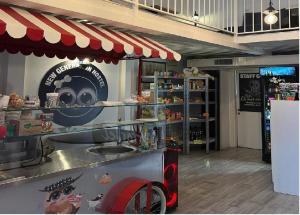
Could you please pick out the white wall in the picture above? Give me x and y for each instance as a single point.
(36, 67)
(228, 136)
(3, 73)
(15, 74)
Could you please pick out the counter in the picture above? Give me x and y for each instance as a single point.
(71, 158)
(77, 180)
(285, 146)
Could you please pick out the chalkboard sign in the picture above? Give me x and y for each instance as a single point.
(250, 92)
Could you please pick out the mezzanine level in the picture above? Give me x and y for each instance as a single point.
(230, 16)
(223, 27)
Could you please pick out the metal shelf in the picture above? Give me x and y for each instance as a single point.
(201, 103)
(161, 77)
(169, 77)
(171, 90)
(172, 104)
(211, 119)
(148, 77)
(202, 107)
(211, 140)
(202, 90)
(174, 122)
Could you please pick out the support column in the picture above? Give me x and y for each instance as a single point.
(15, 74)
(3, 72)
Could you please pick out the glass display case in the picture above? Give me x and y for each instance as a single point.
(31, 135)
(110, 156)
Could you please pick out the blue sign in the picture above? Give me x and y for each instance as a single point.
(277, 71)
(77, 84)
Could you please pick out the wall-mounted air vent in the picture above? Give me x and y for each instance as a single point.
(227, 61)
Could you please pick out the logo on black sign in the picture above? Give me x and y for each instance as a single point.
(77, 84)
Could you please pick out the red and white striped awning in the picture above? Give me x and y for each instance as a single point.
(30, 32)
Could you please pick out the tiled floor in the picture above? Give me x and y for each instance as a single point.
(229, 181)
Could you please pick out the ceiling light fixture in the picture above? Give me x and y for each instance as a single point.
(270, 13)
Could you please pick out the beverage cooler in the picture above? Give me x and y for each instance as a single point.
(278, 83)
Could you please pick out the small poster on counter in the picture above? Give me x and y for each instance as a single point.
(250, 92)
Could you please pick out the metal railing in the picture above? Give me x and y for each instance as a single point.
(251, 16)
(230, 16)
(212, 14)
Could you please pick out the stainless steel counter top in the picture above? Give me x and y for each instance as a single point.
(64, 160)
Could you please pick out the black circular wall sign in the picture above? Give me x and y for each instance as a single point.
(77, 84)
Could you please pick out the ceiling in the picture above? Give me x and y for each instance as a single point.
(277, 47)
(192, 49)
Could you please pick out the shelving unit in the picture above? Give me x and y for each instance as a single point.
(200, 113)
(148, 78)
(29, 140)
(154, 73)
(206, 124)
(174, 127)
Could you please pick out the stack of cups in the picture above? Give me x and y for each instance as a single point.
(52, 100)
(4, 100)
(2, 117)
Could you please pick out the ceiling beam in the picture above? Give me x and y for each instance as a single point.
(268, 37)
(254, 61)
(109, 13)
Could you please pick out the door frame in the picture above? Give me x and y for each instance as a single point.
(237, 71)
(236, 92)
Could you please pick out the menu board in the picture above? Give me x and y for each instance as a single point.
(250, 92)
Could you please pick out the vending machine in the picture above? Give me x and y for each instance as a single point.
(280, 83)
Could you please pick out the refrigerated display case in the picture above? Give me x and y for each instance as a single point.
(273, 82)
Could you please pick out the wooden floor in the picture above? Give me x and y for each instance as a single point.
(229, 181)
